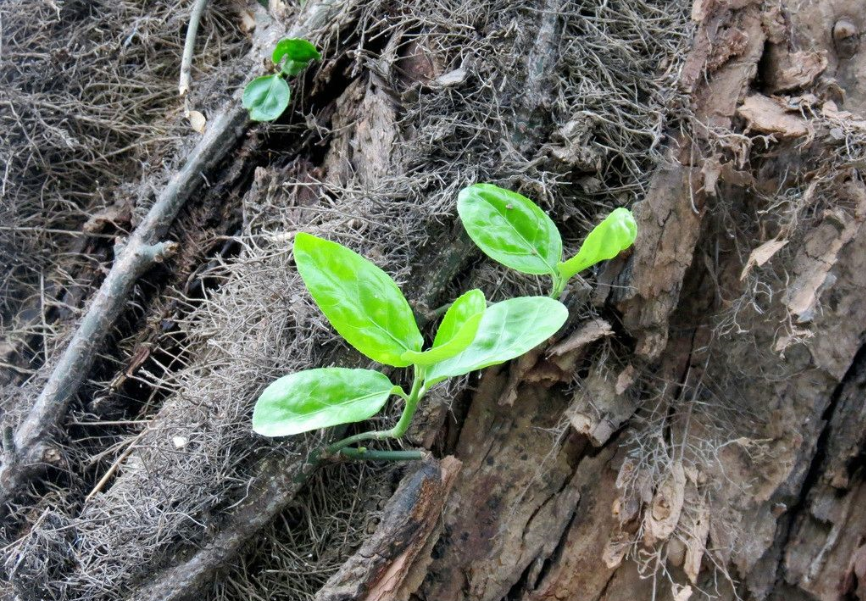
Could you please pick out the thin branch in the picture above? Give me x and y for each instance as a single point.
(33, 450)
(189, 46)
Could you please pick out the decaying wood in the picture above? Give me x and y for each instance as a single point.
(33, 451)
(513, 498)
(669, 219)
(730, 44)
(828, 528)
(580, 561)
(812, 270)
(379, 568)
(603, 403)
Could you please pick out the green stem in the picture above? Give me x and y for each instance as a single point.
(372, 435)
(441, 310)
(559, 283)
(399, 428)
(415, 395)
(362, 453)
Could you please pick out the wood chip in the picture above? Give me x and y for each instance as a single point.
(452, 78)
(247, 20)
(586, 334)
(761, 255)
(770, 116)
(625, 379)
(696, 544)
(681, 593)
(664, 513)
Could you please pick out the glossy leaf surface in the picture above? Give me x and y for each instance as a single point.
(266, 97)
(360, 300)
(320, 398)
(298, 54)
(510, 229)
(457, 330)
(609, 238)
(507, 330)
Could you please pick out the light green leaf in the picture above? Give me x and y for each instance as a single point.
(298, 54)
(510, 229)
(320, 398)
(508, 329)
(360, 300)
(266, 97)
(457, 330)
(609, 238)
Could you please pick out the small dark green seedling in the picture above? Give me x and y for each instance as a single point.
(369, 311)
(514, 231)
(267, 97)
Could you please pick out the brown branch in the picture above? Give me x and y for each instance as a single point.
(31, 448)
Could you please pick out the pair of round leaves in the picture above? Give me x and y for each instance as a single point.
(512, 230)
(367, 308)
(267, 97)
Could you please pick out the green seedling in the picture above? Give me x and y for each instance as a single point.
(514, 231)
(366, 307)
(267, 97)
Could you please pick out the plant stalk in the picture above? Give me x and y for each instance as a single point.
(399, 428)
(559, 284)
(362, 454)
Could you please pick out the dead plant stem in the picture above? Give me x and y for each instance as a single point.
(189, 46)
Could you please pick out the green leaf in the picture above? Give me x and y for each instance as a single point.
(298, 54)
(510, 229)
(456, 332)
(606, 240)
(266, 97)
(320, 398)
(360, 300)
(507, 330)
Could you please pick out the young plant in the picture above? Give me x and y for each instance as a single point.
(365, 306)
(514, 231)
(268, 96)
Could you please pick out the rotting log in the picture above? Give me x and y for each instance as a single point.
(510, 526)
(516, 494)
(31, 450)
